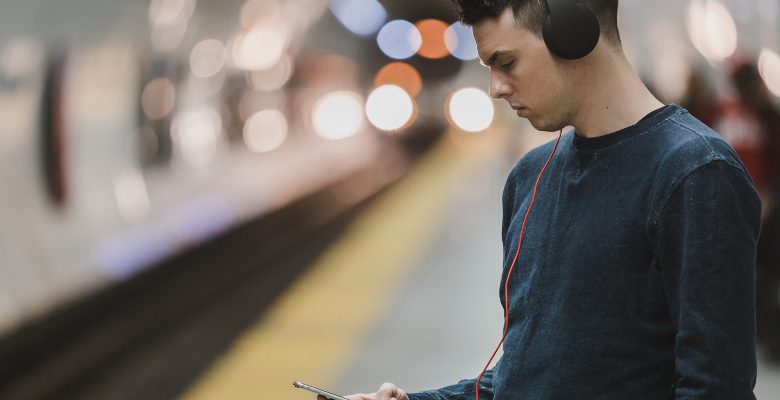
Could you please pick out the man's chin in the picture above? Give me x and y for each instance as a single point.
(543, 126)
(538, 125)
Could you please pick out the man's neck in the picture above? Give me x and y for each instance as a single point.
(614, 97)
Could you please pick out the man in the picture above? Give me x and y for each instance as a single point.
(636, 278)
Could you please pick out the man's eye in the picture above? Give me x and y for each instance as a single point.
(507, 66)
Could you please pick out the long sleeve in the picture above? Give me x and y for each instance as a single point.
(707, 234)
(463, 390)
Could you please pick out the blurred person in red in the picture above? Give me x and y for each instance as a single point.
(753, 129)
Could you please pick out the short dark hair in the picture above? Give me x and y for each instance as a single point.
(531, 13)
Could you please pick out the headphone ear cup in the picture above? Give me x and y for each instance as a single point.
(570, 31)
(549, 37)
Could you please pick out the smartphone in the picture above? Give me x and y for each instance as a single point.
(326, 394)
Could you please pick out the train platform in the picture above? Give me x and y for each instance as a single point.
(407, 295)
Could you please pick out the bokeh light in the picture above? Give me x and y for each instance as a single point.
(389, 107)
(260, 48)
(769, 68)
(460, 41)
(712, 29)
(207, 58)
(169, 20)
(400, 74)
(432, 33)
(399, 39)
(265, 130)
(361, 17)
(338, 115)
(196, 134)
(470, 109)
(170, 12)
(131, 196)
(158, 98)
(273, 78)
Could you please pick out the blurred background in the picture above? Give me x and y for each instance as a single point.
(212, 199)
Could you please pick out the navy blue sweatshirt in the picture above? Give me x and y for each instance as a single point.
(636, 279)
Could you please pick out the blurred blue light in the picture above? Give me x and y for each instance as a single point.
(201, 219)
(399, 39)
(361, 17)
(460, 41)
(127, 254)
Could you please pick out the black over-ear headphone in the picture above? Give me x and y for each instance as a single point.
(570, 31)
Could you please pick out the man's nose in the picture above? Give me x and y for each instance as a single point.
(499, 88)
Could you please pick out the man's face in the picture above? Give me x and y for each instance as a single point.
(523, 72)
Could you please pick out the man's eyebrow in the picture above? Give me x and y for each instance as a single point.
(493, 57)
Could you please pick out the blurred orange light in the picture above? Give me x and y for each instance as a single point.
(400, 74)
(432, 32)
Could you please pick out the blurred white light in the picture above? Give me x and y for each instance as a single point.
(769, 68)
(361, 17)
(273, 78)
(158, 98)
(131, 196)
(389, 107)
(399, 39)
(460, 41)
(169, 20)
(260, 11)
(260, 48)
(712, 29)
(207, 58)
(196, 134)
(265, 130)
(338, 115)
(471, 110)
(170, 12)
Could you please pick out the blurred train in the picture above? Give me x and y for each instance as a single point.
(134, 130)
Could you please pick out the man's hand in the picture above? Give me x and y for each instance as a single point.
(387, 391)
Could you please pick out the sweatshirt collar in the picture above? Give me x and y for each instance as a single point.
(650, 120)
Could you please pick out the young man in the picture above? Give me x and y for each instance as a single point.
(636, 278)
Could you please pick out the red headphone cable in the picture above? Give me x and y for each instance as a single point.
(512, 267)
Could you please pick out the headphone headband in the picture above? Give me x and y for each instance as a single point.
(570, 31)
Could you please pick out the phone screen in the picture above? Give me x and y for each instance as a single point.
(326, 394)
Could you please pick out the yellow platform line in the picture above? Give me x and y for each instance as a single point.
(314, 330)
